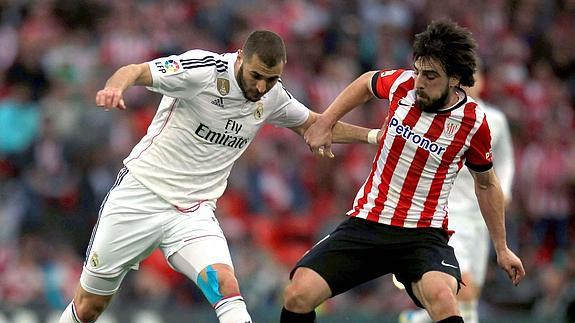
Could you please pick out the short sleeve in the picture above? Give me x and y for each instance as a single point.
(382, 81)
(185, 75)
(290, 112)
(479, 156)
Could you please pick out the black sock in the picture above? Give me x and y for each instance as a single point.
(291, 317)
(452, 319)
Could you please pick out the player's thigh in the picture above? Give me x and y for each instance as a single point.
(197, 256)
(309, 284)
(128, 229)
(196, 237)
(435, 286)
(195, 245)
(208, 264)
(348, 257)
(425, 250)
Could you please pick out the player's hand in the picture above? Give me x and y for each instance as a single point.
(110, 98)
(512, 265)
(319, 137)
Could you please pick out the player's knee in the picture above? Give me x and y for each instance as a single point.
(89, 308)
(442, 296)
(218, 282)
(297, 299)
(228, 284)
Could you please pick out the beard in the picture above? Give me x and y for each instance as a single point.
(242, 84)
(430, 105)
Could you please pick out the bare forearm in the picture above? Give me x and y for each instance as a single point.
(344, 133)
(126, 76)
(492, 205)
(111, 96)
(357, 93)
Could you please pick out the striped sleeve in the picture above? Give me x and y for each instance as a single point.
(382, 81)
(185, 75)
(479, 156)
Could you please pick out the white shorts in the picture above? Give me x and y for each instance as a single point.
(471, 244)
(134, 221)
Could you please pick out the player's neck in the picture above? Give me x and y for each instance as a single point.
(454, 98)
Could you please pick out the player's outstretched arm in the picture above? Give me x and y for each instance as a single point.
(492, 205)
(111, 95)
(319, 135)
(341, 133)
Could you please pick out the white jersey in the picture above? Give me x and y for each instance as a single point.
(463, 205)
(202, 126)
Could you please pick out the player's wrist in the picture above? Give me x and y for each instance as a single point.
(500, 247)
(372, 136)
(328, 121)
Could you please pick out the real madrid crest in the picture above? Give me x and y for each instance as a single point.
(259, 113)
(223, 85)
(94, 260)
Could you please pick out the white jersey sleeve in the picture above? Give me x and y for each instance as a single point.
(503, 160)
(463, 203)
(291, 112)
(185, 75)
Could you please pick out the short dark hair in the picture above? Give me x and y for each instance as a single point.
(451, 45)
(268, 45)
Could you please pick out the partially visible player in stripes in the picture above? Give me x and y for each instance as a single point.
(471, 238)
(399, 220)
(165, 196)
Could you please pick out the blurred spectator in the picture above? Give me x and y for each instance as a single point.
(19, 124)
(545, 188)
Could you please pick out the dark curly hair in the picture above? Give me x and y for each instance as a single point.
(452, 46)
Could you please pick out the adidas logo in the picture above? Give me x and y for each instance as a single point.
(219, 102)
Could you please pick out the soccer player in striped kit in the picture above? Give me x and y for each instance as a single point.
(399, 220)
(471, 239)
(165, 196)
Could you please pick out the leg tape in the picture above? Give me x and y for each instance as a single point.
(210, 285)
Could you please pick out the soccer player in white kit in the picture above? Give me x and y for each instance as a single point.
(165, 196)
(471, 238)
(398, 223)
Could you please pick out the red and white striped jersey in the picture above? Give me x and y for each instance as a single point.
(420, 156)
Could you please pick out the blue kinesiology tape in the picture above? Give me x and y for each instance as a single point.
(210, 286)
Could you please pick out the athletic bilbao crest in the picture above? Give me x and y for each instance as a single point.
(223, 86)
(451, 128)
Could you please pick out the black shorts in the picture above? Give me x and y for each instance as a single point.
(359, 250)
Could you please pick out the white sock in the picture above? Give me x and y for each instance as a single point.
(69, 315)
(469, 311)
(232, 310)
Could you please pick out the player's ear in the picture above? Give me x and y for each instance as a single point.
(453, 81)
(240, 55)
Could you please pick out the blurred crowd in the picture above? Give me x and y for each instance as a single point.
(59, 154)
